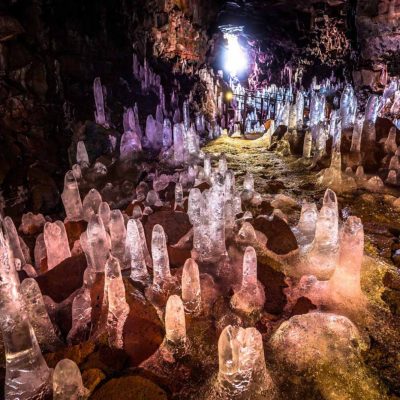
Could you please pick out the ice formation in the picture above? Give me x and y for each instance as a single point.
(118, 235)
(82, 157)
(306, 344)
(118, 308)
(241, 364)
(100, 114)
(14, 240)
(348, 107)
(342, 292)
(135, 248)
(67, 382)
(98, 244)
(91, 204)
(57, 246)
(161, 269)
(191, 290)
(27, 374)
(71, 198)
(38, 316)
(321, 259)
(175, 325)
(250, 298)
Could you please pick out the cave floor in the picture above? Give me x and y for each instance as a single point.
(380, 280)
(275, 174)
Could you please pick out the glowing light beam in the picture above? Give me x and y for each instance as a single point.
(235, 56)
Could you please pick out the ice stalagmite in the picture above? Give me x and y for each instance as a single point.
(345, 282)
(292, 117)
(222, 165)
(357, 132)
(100, 114)
(147, 256)
(178, 196)
(317, 109)
(322, 258)
(216, 207)
(91, 204)
(299, 109)
(161, 269)
(118, 308)
(57, 247)
(248, 186)
(105, 213)
(175, 325)
(118, 235)
(14, 241)
(130, 145)
(332, 176)
(390, 143)
(307, 146)
(82, 310)
(191, 291)
(241, 363)
(98, 243)
(82, 157)
(71, 198)
(372, 109)
(27, 375)
(305, 229)
(136, 252)
(154, 133)
(369, 131)
(67, 382)
(179, 144)
(207, 167)
(195, 207)
(250, 298)
(348, 107)
(167, 134)
(159, 114)
(77, 172)
(38, 316)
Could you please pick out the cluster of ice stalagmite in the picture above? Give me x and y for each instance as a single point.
(327, 269)
(319, 236)
(346, 171)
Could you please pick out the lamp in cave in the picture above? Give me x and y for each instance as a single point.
(228, 95)
(235, 57)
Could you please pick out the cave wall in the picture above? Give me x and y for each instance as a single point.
(378, 31)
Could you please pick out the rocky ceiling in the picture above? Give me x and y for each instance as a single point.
(360, 38)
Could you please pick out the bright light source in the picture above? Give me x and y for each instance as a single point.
(235, 57)
(228, 96)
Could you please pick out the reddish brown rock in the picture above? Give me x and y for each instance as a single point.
(143, 331)
(129, 388)
(77, 353)
(91, 378)
(280, 237)
(64, 279)
(74, 230)
(107, 360)
(273, 281)
(175, 224)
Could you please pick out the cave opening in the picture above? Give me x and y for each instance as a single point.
(199, 200)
